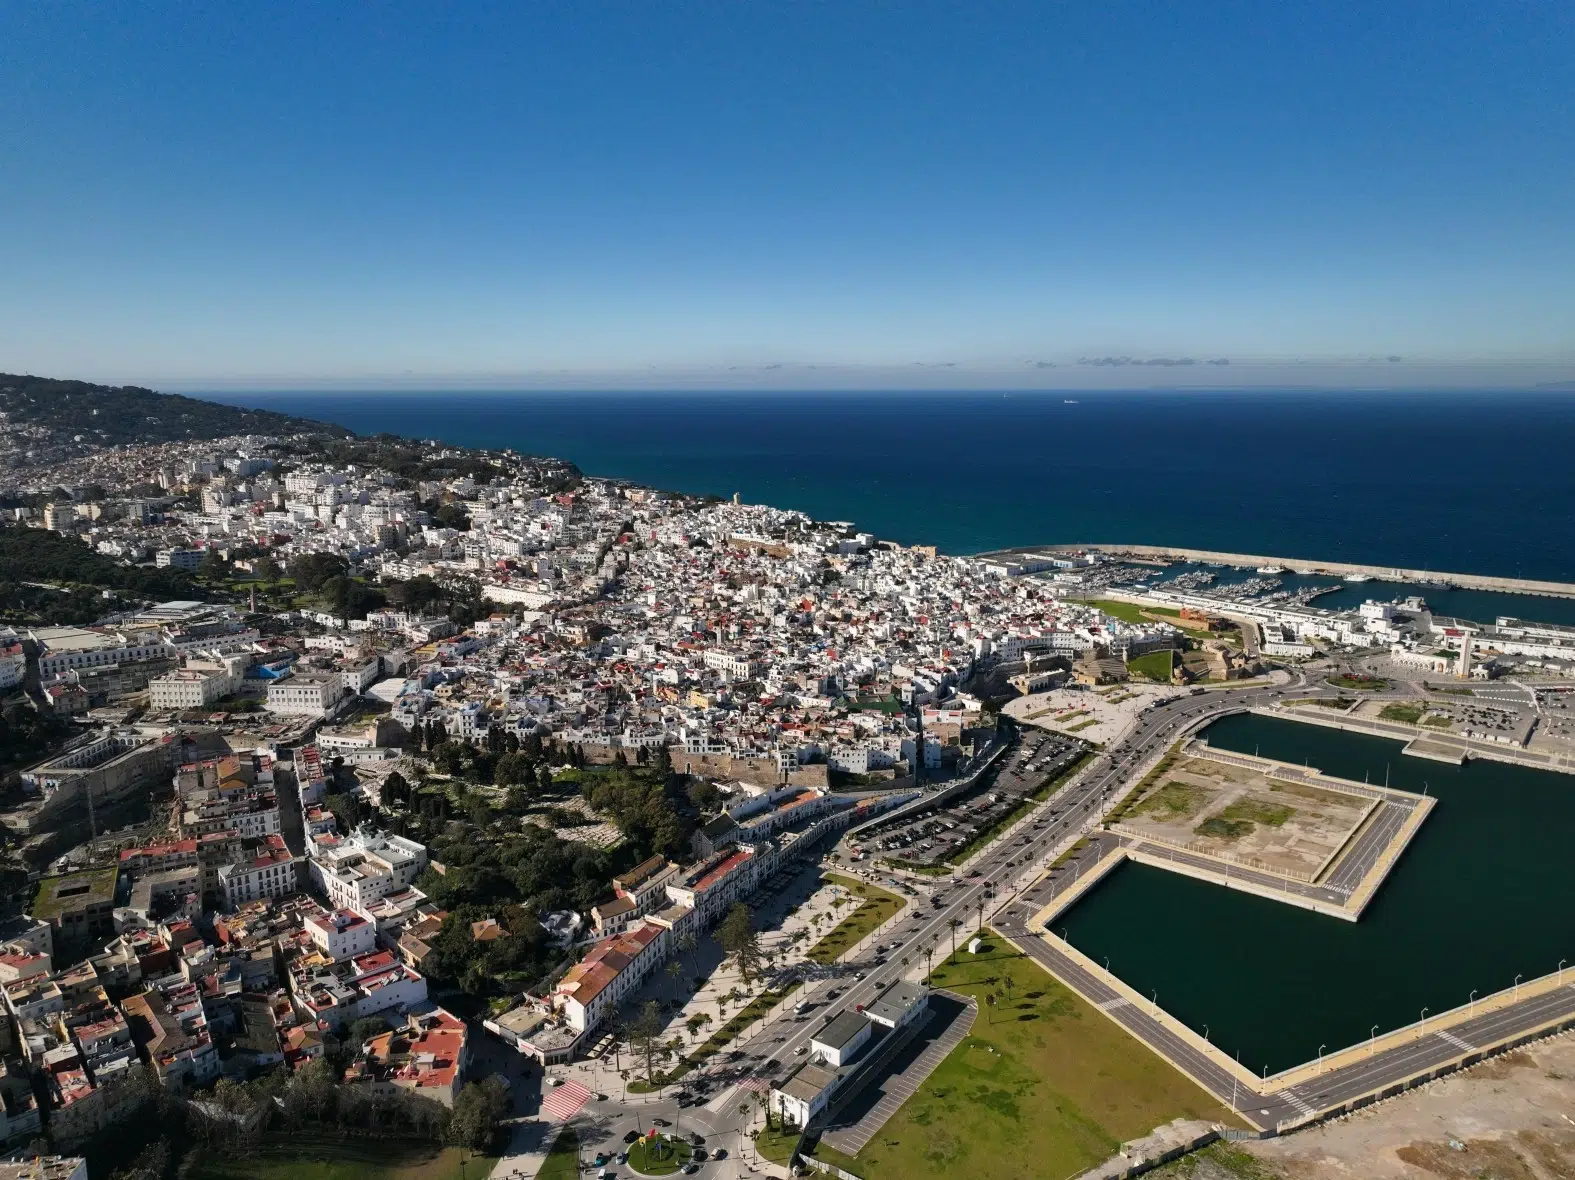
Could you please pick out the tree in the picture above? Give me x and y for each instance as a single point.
(645, 1036)
(478, 1109)
(396, 789)
(738, 938)
(954, 924)
(989, 1001)
(213, 566)
(365, 1029)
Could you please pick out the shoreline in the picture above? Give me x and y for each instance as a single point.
(1302, 565)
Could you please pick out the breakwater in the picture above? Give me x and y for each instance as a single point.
(1303, 565)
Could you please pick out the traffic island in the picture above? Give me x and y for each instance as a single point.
(659, 1155)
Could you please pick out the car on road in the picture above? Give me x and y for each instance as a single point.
(632, 1137)
(696, 1139)
(719, 1154)
(660, 1123)
(689, 1169)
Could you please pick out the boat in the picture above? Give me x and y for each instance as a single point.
(1358, 577)
(1273, 570)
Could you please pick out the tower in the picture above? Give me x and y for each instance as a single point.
(1463, 667)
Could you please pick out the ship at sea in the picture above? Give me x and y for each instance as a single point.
(1358, 577)
(1272, 571)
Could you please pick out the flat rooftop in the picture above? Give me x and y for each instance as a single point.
(73, 891)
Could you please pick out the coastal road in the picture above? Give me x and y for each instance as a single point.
(989, 881)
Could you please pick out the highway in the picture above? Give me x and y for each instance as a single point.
(1011, 886)
(1007, 863)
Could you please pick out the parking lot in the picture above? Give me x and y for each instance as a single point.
(940, 832)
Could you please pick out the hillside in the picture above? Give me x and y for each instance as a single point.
(66, 418)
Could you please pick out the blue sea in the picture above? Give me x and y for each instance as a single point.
(1466, 482)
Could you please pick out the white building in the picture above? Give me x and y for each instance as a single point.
(191, 688)
(365, 867)
(306, 694)
(267, 870)
(342, 934)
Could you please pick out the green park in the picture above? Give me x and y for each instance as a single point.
(1043, 1086)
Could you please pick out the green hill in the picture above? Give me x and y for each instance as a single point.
(80, 416)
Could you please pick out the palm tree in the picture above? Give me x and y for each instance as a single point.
(989, 1001)
(954, 924)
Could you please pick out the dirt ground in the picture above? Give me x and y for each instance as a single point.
(1510, 1118)
(1240, 814)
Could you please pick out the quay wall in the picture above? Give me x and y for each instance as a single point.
(1306, 565)
(1492, 751)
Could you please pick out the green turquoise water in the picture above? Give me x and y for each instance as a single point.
(1483, 893)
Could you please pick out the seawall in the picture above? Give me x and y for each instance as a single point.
(1309, 566)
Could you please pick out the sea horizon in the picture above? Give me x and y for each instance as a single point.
(1460, 481)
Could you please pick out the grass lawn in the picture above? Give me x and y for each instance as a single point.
(1154, 666)
(1365, 683)
(776, 1146)
(563, 1160)
(307, 1156)
(1127, 612)
(659, 1157)
(1269, 814)
(1045, 1086)
(877, 907)
(1175, 800)
(1408, 714)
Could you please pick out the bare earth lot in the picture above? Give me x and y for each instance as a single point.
(1239, 814)
(1509, 1117)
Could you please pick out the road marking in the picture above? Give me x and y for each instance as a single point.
(1112, 1005)
(1457, 1042)
(565, 1101)
(1295, 1100)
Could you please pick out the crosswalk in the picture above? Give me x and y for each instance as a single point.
(1112, 1005)
(1457, 1042)
(1295, 1100)
(564, 1102)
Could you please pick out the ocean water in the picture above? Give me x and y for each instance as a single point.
(1478, 898)
(1465, 482)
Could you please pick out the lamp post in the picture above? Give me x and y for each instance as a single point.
(1517, 989)
(1372, 1040)
(1155, 997)
(1421, 1024)
(1471, 1004)
(1561, 972)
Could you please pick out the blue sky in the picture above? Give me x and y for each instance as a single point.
(691, 193)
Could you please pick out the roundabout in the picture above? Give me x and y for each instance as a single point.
(659, 1156)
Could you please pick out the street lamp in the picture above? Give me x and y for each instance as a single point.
(1156, 1002)
(1421, 1024)
(1372, 1040)
(1321, 1048)
(1517, 989)
(1471, 1004)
